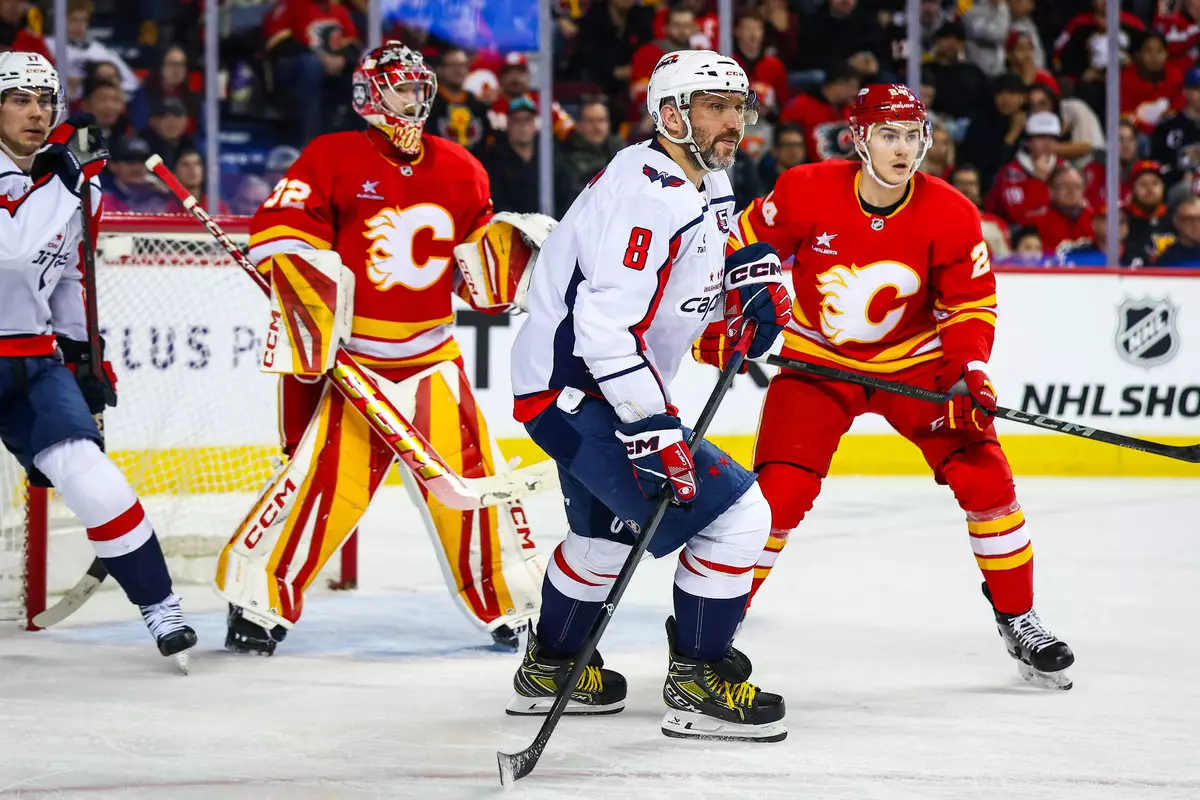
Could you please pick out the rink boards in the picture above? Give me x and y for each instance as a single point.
(1113, 351)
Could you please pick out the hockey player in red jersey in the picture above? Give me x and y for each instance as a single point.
(892, 277)
(382, 216)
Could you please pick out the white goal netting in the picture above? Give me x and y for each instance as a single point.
(195, 426)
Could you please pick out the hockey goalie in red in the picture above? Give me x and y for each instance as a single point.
(892, 276)
(365, 241)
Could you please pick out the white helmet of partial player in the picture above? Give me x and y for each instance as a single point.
(32, 73)
(683, 73)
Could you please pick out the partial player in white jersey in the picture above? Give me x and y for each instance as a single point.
(49, 387)
(624, 285)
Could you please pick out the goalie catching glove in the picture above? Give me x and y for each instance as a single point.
(312, 312)
(496, 261)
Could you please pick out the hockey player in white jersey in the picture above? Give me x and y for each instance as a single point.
(49, 389)
(624, 285)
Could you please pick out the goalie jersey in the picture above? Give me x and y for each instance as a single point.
(394, 224)
(624, 285)
(41, 293)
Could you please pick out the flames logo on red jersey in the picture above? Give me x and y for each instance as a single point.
(849, 294)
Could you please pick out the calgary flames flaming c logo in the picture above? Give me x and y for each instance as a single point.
(849, 293)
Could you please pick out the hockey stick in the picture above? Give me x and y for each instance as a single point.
(514, 766)
(362, 391)
(78, 594)
(1189, 453)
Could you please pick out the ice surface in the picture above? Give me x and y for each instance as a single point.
(873, 627)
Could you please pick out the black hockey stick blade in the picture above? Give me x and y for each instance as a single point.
(1189, 453)
(74, 599)
(514, 766)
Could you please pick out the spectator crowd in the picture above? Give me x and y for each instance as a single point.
(1016, 90)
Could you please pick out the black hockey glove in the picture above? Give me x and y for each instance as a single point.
(57, 159)
(64, 155)
(97, 384)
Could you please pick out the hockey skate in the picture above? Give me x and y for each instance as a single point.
(599, 691)
(1042, 658)
(165, 621)
(247, 637)
(714, 700)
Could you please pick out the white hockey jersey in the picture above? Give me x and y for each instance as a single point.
(41, 293)
(623, 286)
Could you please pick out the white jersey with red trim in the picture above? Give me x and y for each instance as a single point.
(40, 278)
(624, 285)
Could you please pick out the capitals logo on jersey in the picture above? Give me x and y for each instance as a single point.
(661, 177)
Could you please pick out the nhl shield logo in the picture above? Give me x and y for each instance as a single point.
(1146, 332)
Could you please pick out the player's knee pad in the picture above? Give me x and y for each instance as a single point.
(790, 491)
(94, 489)
(719, 561)
(980, 477)
(584, 569)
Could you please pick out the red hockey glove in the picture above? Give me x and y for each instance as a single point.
(660, 456)
(754, 292)
(972, 399)
(714, 347)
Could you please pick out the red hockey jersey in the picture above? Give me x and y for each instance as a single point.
(395, 224)
(826, 127)
(325, 26)
(1017, 195)
(877, 294)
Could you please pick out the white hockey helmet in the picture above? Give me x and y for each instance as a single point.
(681, 74)
(32, 73)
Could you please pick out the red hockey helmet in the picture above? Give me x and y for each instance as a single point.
(393, 90)
(884, 104)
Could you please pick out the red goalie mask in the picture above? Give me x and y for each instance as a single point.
(393, 91)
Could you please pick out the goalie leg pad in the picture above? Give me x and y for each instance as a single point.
(489, 557)
(304, 515)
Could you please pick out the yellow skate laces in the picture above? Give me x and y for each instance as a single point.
(735, 695)
(590, 680)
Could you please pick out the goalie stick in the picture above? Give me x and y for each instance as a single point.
(514, 766)
(1189, 453)
(362, 392)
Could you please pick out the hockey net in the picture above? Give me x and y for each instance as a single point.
(195, 428)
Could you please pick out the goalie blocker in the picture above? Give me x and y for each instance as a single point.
(337, 463)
